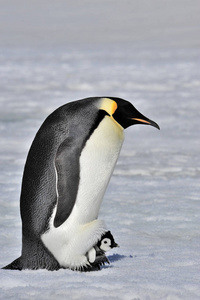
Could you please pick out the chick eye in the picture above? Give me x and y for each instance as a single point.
(105, 242)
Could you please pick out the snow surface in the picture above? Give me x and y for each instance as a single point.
(51, 54)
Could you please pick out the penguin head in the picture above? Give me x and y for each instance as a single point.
(124, 113)
(107, 242)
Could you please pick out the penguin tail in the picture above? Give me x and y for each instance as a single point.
(32, 264)
(15, 265)
(34, 256)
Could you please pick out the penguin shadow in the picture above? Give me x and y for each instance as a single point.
(113, 258)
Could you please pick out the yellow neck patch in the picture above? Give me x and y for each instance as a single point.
(108, 105)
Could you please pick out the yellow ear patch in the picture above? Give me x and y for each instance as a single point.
(108, 105)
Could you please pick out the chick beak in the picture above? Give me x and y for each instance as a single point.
(115, 245)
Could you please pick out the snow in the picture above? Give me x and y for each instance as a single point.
(150, 57)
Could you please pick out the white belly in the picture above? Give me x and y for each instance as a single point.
(70, 241)
(97, 162)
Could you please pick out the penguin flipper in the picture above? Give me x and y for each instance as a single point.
(67, 169)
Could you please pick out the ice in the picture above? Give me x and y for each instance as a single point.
(148, 53)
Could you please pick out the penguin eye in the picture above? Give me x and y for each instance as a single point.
(106, 241)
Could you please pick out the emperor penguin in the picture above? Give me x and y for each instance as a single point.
(66, 173)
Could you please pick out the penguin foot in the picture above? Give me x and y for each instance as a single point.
(89, 268)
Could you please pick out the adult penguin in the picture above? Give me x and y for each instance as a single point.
(67, 170)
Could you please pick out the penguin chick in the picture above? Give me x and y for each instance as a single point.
(96, 255)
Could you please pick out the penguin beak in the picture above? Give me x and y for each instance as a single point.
(115, 245)
(138, 118)
(146, 121)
